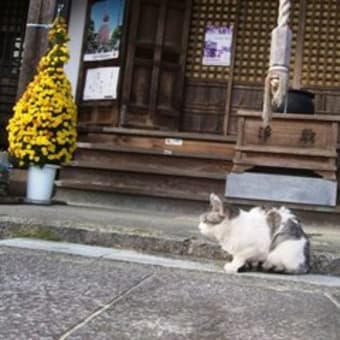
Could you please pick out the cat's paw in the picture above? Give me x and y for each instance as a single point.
(273, 267)
(230, 268)
(267, 266)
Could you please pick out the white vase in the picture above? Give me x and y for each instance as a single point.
(40, 182)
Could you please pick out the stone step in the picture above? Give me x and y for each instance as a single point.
(144, 230)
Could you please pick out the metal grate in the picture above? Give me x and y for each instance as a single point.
(256, 20)
(207, 13)
(321, 55)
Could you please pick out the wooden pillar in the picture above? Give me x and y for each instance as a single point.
(227, 111)
(35, 43)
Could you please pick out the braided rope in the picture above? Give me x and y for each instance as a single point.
(284, 13)
(276, 87)
(277, 80)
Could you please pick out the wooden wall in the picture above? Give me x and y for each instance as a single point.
(119, 149)
(213, 94)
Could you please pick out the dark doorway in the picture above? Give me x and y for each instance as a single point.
(13, 14)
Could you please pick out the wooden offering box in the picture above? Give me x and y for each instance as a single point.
(292, 141)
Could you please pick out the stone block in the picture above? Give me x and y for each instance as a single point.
(281, 188)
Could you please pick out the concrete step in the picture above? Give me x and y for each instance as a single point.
(147, 231)
(131, 198)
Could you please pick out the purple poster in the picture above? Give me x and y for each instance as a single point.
(217, 46)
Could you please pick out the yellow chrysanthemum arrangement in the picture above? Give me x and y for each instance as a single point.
(43, 127)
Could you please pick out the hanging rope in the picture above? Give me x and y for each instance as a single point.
(277, 80)
(284, 12)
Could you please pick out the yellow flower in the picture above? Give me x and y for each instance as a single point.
(43, 127)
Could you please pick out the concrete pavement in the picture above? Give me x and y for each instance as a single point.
(51, 294)
(144, 230)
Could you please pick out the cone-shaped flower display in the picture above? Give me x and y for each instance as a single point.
(43, 127)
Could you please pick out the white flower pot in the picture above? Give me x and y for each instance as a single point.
(40, 182)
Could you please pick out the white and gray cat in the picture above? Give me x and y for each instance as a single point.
(270, 237)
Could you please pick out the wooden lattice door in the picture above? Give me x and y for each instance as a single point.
(12, 28)
(214, 93)
(319, 68)
(154, 73)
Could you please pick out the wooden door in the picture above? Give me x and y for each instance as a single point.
(154, 73)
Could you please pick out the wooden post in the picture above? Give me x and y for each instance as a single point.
(35, 43)
(227, 111)
(299, 45)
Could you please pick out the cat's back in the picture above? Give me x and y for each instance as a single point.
(251, 228)
(251, 221)
(257, 216)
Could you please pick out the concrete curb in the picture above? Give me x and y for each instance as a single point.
(322, 261)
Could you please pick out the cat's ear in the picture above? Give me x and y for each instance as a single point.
(216, 203)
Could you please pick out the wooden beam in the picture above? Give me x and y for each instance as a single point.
(156, 62)
(132, 12)
(299, 46)
(39, 12)
(227, 110)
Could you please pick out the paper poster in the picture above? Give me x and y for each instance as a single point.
(217, 46)
(101, 83)
(104, 30)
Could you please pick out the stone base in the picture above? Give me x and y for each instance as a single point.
(281, 188)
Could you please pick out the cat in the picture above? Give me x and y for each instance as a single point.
(270, 237)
